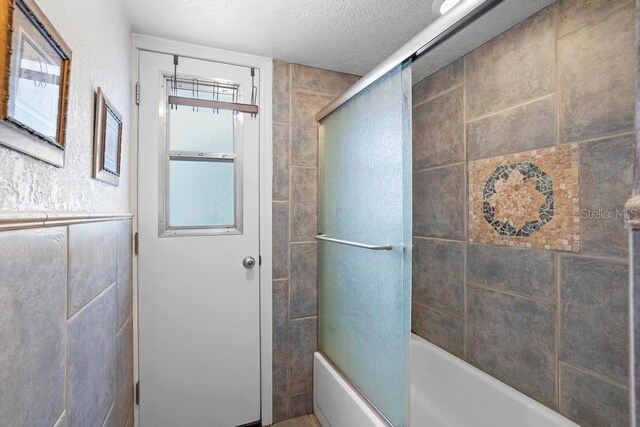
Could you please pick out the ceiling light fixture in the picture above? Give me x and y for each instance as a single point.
(447, 5)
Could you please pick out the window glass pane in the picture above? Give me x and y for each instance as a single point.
(201, 193)
(201, 129)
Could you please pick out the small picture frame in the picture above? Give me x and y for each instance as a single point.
(34, 82)
(107, 141)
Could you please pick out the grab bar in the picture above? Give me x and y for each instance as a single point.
(385, 247)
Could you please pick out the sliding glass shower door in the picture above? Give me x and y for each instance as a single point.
(365, 246)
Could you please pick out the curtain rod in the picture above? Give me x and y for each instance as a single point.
(437, 32)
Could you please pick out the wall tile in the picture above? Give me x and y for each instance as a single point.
(281, 91)
(280, 242)
(438, 131)
(438, 203)
(124, 259)
(304, 204)
(301, 404)
(320, 80)
(92, 262)
(280, 162)
(304, 280)
(516, 66)
(594, 316)
(525, 271)
(304, 128)
(438, 274)
(606, 183)
(592, 102)
(91, 369)
(438, 82)
(520, 129)
(445, 331)
(577, 13)
(33, 278)
(304, 333)
(590, 401)
(513, 339)
(280, 398)
(124, 374)
(280, 317)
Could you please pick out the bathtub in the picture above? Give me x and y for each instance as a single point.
(445, 392)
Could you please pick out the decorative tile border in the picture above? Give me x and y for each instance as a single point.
(528, 199)
(17, 220)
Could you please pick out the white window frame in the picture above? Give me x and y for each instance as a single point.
(167, 155)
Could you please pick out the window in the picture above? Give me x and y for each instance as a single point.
(201, 167)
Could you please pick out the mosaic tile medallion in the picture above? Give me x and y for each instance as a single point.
(528, 199)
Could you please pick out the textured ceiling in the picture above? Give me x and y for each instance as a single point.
(344, 35)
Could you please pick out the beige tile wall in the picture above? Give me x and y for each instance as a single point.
(298, 93)
(551, 324)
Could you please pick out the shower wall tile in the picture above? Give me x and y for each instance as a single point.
(280, 395)
(92, 262)
(299, 93)
(594, 310)
(304, 204)
(438, 274)
(320, 80)
(304, 333)
(280, 161)
(124, 254)
(280, 317)
(92, 358)
(514, 339)
(439, 203)
(281, 91)
(440, 81)
(577, 13)
(33, 289)
(591, 104)
(523, 271)
(606, 183)
(516, 66)
(304, 128)
(591, 401)
(304, 280)
(301, 404)
(438, 131)
(445, 331)
(280, 240)
(519, 129)
(124, 374)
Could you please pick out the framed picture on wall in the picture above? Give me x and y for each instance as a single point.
(34, 82)
(107, 141)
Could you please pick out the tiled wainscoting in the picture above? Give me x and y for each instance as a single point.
(298, 93)
(66, 325)
(549, 318)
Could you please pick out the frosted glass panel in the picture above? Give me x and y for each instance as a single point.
(201, 129)
(365, 196)
(201, 193)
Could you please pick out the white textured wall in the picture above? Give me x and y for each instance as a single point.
(99, 35)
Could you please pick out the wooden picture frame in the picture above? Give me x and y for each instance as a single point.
(35, 63)
(107, 141)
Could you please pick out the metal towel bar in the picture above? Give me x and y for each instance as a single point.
(384, 247)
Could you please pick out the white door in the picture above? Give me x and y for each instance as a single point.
(198, 218)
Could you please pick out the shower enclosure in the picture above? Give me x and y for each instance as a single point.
(365, 242)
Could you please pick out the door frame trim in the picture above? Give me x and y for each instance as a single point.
(142, 42)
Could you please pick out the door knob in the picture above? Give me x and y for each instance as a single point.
(249, 262)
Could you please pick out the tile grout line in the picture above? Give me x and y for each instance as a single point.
(439, 310)
(550, 302)
(438, 167)
(439, 94)
(506, 110)
(465, 290)
(595, 374)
